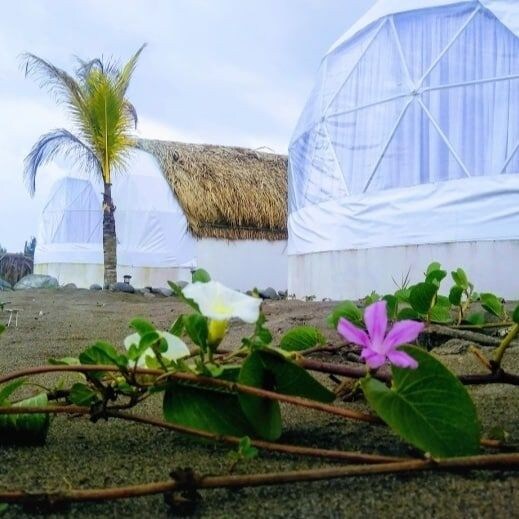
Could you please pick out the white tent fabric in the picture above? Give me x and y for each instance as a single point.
(411, 134)
(151, 227)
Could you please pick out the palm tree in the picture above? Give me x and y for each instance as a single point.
(101, 140)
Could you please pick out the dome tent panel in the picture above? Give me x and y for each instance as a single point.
(435, 163)
(151, 226)
(380, 65)
(70, 227)
(360, 138)
(424, 35)
(418, 148)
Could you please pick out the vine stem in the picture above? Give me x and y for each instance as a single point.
(505, 343)
(488, 462)
(457, 333)
(211, 382)
(356, 457)
(498, 377)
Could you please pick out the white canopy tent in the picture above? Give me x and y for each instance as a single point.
(153, 247)
(408, 151)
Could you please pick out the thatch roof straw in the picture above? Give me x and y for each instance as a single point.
(14, 267)
(225, 192)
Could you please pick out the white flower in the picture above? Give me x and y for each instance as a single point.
(220, 303)
(176, 347)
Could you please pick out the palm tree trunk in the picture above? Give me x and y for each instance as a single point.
(109, 238)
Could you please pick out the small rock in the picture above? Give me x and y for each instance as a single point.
(268, 293)
(69, 286)
(283, 294)
(36, 281)
(4, 285)
(95, 287)
(122, 287)
(147, 290)
(148, 295)
(453, 347)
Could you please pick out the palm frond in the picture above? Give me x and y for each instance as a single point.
(85, 67)
(132, 113)
(126, 73)
(54, 143)
(64, 87)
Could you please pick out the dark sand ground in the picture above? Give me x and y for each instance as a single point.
(81, 454)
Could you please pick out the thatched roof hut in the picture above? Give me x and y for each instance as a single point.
(225, 192)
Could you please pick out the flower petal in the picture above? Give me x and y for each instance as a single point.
(402, 333)
(375, 317)
(352, 334)
(373, 359)
(176, 347)
(134, 338)
(220, 303)
(402, 359)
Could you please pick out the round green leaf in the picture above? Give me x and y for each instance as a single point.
(264, 414)
(455, 295)
(422, 297)
(348, 310)
(428, 407)
(200, 276)
(206, 409)
(301, 338)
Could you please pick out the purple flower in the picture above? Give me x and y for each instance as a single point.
(377, 345)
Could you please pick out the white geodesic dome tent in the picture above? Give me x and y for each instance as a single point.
(408, 151)
(153, 243)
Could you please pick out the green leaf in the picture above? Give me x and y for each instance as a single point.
(81, 394)
(455, 295)
(269, 370)
(177, 327)
(349, 311)
(476, 318)
(263, 414)
(440, 314)
(200, 276)
(428, 407)
(435, 277)
(460, 278)
(432, 267)
(246, 450)
(515, 315)
(3, 506)
(206, 409)
(492, 304)
(422, 297)
(291, 379)
(403, 295)
(371, 298)
(103, 353)
(392, 306)
(25, 428)
(301, 338)
(443, 301)
(142, 327)
(408, 314)
(9, 389)
(2, 328)
(197, 329)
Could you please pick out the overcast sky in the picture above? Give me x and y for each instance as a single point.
(215, 71)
